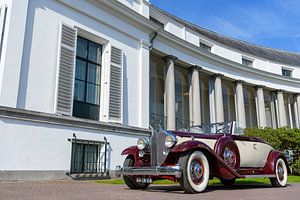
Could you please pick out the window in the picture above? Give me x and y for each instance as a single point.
(286, 72)
(228, 101)
(88, 157)
(182, 98)
(247, 62)
(205, 46)
(157, 88)
(87, 79)
(250, 107)
(3, 15)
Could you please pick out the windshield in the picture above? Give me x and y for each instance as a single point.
(214, 128)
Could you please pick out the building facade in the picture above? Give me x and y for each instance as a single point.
(82, 80)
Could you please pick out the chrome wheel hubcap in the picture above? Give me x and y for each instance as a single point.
(196, 171)
(229, 157)
(280, 172)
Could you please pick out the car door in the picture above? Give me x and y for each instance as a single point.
(261, 152)
(247, 157)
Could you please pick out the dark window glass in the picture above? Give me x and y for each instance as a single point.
(205, 46)
(247, 62)
(87, 79)
(286, 72)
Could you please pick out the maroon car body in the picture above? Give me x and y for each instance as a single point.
(193, 158)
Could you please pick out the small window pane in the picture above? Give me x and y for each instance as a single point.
(205, 46)
(80, 70)
(93, 94)
(93, 74)
(94, 52)
(79, 90)
(286, 72)
(82, 45)
(247, 62)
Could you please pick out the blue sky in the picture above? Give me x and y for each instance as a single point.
(271, 23)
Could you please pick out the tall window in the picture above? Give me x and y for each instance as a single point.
(204, 93)
(228, 101)
(87, 79)
(250, 107)
(157, 81)
(270, 109)
(247, 62)
(3, 15)
(182, 98)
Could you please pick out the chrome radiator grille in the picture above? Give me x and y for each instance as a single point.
(157, 148)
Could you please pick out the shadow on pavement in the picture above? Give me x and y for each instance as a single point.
(176, 189)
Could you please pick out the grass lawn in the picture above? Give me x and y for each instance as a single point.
(291, 179)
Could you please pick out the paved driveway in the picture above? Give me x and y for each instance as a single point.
(69, 190)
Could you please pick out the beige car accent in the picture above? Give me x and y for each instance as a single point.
(262, 151)
(246, 153)
(209, 142)
(253, 154)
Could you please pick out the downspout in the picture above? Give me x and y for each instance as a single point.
(152, 40)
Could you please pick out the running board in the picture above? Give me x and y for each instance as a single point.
(261, 176)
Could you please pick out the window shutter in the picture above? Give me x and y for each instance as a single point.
(66, 70)
(116, 85)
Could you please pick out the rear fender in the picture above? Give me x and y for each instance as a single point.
(271, 162)
(217, 166)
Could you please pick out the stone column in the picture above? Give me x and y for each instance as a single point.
(260, 107)
(297, 109)
(281, 110)
(195, 97)
(170, 92)
(240, 105)
(219, 108)
(290, 117)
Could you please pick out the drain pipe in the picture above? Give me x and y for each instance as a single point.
(152, 40)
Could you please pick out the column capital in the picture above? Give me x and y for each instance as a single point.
(279, 91)
(217, 75)
(169, 57)
(195, 67)
(239, 82)
(259, 87)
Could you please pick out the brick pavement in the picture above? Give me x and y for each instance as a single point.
(73, 190)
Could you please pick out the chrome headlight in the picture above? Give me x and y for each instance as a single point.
(170, 140)
(142, 143)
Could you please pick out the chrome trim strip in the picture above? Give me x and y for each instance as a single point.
(149, 171)
(261, 176)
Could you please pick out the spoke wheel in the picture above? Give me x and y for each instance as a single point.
(131, 180)
(281, 174)
(195, 172)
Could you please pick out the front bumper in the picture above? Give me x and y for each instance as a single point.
(149, 171)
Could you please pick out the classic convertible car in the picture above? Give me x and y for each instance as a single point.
(204, 152)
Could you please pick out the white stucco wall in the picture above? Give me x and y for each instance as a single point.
(40, 146)
(39, 62)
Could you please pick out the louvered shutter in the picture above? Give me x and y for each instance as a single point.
(116, 85)
(66, 70)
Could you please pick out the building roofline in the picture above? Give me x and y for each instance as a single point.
(276, 55)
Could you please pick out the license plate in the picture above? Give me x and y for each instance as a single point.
(143, 180)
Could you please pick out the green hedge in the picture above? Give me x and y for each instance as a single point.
(281, 139)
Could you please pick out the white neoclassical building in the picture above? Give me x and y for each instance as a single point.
(81, 80)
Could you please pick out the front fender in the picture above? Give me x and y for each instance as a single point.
(217, 165)
(133, 150)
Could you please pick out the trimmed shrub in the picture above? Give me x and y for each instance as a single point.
(281, 139)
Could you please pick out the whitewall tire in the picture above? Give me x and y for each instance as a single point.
(195, 172)
(281, 174)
